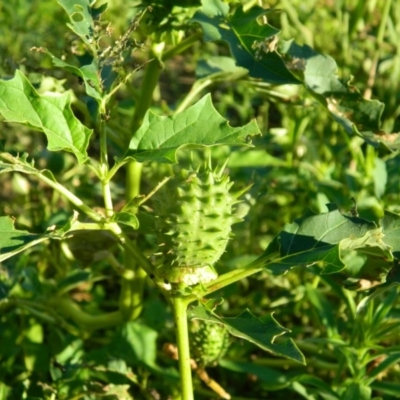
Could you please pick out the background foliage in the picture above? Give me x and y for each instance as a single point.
(303, 160)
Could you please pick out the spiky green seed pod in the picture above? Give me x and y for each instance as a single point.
(208, 342)
(194, 214)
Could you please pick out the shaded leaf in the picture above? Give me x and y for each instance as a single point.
(246, 38)
(263, 332)
(89, 74)
(273, 379)
(51, 114)
(218, 67)
(72, 280)
(323, 238)
(137, 342)
(390, 224)
(159, 138)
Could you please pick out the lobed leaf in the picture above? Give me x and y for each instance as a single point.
(159, 138)
(51, 114)
(245, 38)
(255, 46)
(327, 237)
(260, 331)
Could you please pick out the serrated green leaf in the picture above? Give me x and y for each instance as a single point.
(247, 39)
(159, 138)
(19, 102)
(260, 331)
(13, 241)
(323, 238)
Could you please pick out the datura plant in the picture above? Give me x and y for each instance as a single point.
(172, 234)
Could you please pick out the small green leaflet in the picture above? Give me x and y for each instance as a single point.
(159, 138)
(260, 331)
(51, 114)
(89, 74)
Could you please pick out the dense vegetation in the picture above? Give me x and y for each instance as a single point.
(296, 103)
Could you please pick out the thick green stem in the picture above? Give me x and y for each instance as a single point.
(134, 174)
(179, 305)
(131, 296)
(87, 321)
(149, 83)
(104, 167)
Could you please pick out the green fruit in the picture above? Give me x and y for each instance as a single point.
(194, 214)
(208, 342)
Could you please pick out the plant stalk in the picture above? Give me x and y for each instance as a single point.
(179, 305)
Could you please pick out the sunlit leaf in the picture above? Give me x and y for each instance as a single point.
(51, 114)
(159, 138)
